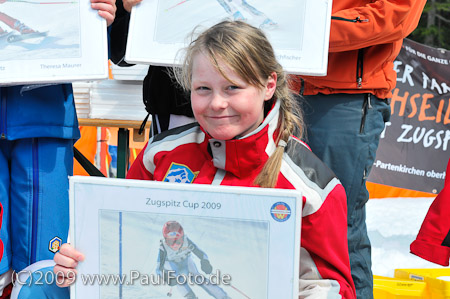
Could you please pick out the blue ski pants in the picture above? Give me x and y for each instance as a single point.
(343, 130)
(34, 195)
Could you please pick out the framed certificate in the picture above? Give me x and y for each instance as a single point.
(51, 41)
(145, 239)
(298, 29)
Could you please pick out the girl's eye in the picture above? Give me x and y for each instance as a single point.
(202, 88)
(232, 87)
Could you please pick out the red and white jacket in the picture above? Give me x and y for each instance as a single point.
(188, 154)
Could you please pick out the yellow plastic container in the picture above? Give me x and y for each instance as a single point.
(437, 280)
(394, 288)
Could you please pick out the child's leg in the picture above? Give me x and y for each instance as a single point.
(213, 290)
(39, 198)
(181, 284)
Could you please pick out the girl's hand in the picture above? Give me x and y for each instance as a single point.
(66, 260)
(128, 4)
(106, 9)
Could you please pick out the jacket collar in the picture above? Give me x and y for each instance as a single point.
(246, 155)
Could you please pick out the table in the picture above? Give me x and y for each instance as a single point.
(123, 137)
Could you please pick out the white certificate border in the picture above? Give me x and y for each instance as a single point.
(291, 197)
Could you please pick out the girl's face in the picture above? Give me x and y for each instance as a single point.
(226, 110)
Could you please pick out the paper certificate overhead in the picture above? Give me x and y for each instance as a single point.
(297, 29)
(51, 41)
(145, 239)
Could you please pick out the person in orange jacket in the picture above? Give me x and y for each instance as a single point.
(345, 111)
(433, 241)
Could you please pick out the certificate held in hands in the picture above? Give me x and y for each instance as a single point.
(51, 41)
(154, 239)
(297, 29)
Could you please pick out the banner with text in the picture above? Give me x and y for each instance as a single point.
(413, 150)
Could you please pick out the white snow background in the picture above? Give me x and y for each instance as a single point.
(392, 224)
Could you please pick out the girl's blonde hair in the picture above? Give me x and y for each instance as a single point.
(247, 51)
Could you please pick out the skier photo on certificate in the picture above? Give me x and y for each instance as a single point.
(19, 31)
(32, 30)
(175, 264)
(234, 7)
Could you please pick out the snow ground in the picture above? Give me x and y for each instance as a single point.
(392, 224)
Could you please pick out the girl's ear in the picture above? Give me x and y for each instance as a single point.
(270, 87)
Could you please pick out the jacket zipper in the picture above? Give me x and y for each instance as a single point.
(359, 63)
(355, 20)
(3, 114)
(359, 68)
(34, 220)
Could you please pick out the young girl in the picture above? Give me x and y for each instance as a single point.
(244, 137)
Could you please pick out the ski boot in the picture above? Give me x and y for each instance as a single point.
(22, 28)
(26, 33)
(268, 24)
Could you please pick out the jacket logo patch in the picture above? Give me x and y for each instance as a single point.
(54, 244)
(179, 173)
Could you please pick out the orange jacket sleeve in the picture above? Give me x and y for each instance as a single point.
(378, 22)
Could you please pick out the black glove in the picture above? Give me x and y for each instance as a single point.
(170, 281)
(206, 266)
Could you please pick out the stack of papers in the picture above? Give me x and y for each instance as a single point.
(81, 94)
(136, 72)
(109, 99)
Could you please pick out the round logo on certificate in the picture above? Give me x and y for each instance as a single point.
(280, 211)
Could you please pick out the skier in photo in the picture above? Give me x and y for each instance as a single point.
(14, 24)
(175, 255)
(232, 8)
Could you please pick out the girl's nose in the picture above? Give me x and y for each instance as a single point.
(218, 102)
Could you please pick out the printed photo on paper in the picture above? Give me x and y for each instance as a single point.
(154, 245)
(298, 30)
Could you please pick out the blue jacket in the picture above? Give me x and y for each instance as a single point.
(33, 111)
